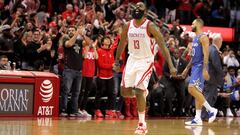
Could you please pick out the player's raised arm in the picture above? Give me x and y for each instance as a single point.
(160, 41)
(122, 42)
(205, 45)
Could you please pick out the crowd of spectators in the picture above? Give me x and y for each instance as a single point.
(51, 35)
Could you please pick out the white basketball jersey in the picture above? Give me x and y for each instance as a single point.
(140, 44)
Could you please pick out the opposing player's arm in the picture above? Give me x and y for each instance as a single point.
(153, 30)
(122, 42)
(205, 45)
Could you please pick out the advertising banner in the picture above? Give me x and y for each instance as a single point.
(228, 34)
(46, 97)
(16, 99)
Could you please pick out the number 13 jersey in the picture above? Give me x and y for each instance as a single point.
(140, 44)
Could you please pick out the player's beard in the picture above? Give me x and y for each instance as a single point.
(194, 29)
(137, 15)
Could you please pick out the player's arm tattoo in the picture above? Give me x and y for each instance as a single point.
(122, 42)
(205, 46)
(153, 29)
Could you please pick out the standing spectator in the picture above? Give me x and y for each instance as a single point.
(89, 56)
(69, 15)
(33, 52)
(47, 55)
(218, 16)
(184, 10)
(26, 39)
(231, 60)
(18, 46)
(105, 80)
(215, 71)
(175, 83)
(170, 10)
(176, 30)
(72, 75)
(42, 16)
(202, 10)
(6, 42)
(117, 80)
(31, 5)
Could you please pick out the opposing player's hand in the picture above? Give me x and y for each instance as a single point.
(173, 71)
(116, 67)
(205, 75)
(184, 73)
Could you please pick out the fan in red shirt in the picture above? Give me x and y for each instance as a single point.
(69, 15)
(88, 71)
(105, 80)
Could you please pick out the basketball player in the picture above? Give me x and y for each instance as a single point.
(199, 73)
(139, 65)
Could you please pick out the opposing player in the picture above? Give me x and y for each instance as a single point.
(140, 62)
(199, 73)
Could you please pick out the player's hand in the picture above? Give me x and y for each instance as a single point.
(173, 71)
(184, 73)
(116, 66)
(205, 75)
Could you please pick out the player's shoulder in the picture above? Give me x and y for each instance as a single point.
(204, 37)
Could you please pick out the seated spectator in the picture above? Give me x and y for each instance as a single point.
(231, 60)
(4, 65)
(229, 81)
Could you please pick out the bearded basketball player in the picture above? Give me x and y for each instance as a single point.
(139, 65)
(199, 73)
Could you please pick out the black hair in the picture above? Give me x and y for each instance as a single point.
(106, 37)
(231, 67)
(3, 56)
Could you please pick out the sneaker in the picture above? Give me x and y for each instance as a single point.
(110, 114)
(63, 114)
(212, 115)
(229, 113)
(238, 113)
(221, 114)
(79, 111)
(86, 114)
(141, 129)
(76, 115)
(98, 114)
(194, 122)
(119, 115)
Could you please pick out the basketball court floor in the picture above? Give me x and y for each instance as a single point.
(156, 126)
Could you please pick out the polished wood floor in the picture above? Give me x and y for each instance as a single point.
(156, 126)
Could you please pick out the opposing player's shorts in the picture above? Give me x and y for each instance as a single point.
(137, 73)
(196, 78)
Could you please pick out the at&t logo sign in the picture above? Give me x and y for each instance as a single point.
(46, 91)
